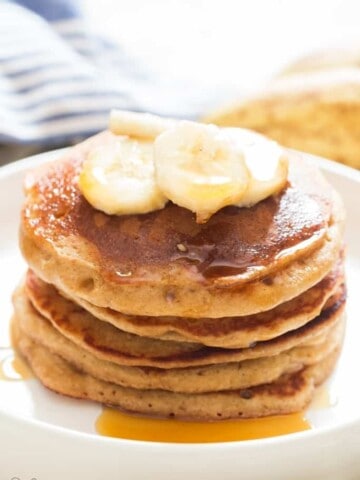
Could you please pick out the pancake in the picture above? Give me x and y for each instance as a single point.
(230, 332)
(106, 348)
(75, 322)
(314, 111)
(133, 265)
(225, 376)
(290, 393)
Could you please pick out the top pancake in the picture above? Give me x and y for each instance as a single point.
(112, 257)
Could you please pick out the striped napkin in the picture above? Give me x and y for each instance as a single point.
(59, 79)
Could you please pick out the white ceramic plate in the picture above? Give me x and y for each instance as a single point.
(45, 436)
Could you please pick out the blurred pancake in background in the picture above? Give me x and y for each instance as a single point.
(312, 106)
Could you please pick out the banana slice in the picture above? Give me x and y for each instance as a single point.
(142, 125)
(267, 164)
(200, 167)
(120, 179)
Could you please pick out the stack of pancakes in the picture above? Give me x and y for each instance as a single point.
(240, 317)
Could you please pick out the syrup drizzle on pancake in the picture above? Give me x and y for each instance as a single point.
(250, 240)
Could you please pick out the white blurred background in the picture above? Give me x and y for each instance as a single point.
(219, 49)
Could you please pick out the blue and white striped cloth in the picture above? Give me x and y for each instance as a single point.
(58, 80)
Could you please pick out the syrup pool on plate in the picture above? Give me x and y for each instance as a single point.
(12, 366)
(114, 423)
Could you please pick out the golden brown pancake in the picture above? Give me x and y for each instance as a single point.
(228, 332)
(75, 322)
(105, 347)
(223, 376)
(132, 263)
(290, 393)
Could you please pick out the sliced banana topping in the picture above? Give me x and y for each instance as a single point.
(142, 125)
(267, 164)
(200, 168)
(120, 179)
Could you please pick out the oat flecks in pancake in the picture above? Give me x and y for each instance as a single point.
(75, 322)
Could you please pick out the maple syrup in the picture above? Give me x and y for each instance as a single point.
(13, 367)
(114, 423)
